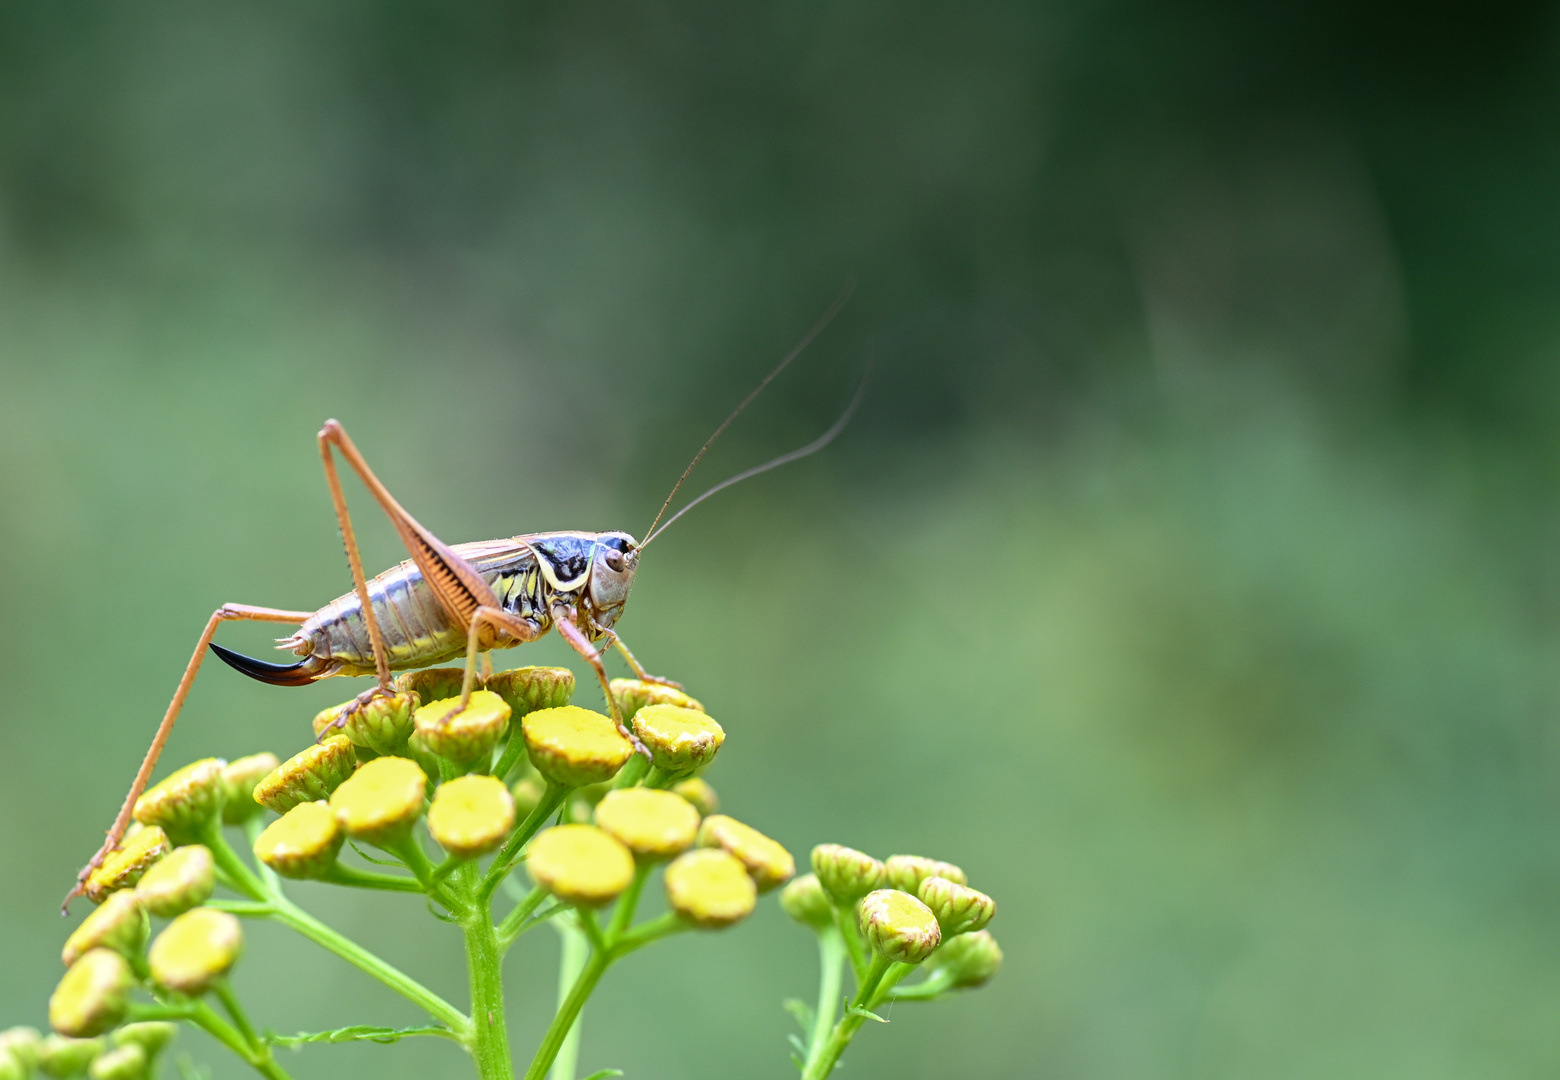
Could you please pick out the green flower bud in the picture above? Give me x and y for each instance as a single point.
(182, 881)
(302, 843)
(679, 739)
(654, 825)
(471, 816)
(120, 924)
(382, 801)
(93, 996)
(185, 801)
(906, 872)
(124, 866)
(195, 950)
(633, 695)
(699, 793)
(23, 1045)
(845, 873)
(959, 908)
(465, 737)
(579, 864)
(150, 1035)
(433, 684)
(239, 778)
(527, 794)
(710, 888)
(308, 777)
(382, 724)
(769, 863)
(124, 1063)
(806, 902)
(574, 747)
(61, 1057)
(969, 960)
(898, 926)
(11, 1067)
(527, 689)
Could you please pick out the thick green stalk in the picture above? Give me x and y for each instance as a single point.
(571, 961)
(489, 1032)
(831, 961)
(823, 1064)
(552, 1042)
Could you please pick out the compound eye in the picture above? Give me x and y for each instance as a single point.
(614, 560)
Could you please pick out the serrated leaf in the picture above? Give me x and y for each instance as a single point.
(857, 1010)
(357, 1033)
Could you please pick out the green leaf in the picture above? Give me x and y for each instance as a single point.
(602, 1074)
(801, 1011)
(857, 1010)
(357, 1033)
(397, 863)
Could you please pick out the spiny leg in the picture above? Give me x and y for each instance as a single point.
(639, 671)
(497, 619)
(225, 613)
(563, 619)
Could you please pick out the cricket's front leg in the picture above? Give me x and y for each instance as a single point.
(563, 619)
(639, 670)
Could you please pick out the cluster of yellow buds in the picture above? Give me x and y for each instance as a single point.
(501, 774)
(888, 917)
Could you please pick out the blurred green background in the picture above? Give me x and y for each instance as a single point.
(1190, 575)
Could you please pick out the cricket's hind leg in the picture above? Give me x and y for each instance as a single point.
(225, 613)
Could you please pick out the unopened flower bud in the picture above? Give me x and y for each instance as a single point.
(959, 908)
(769, 863)
(472, 815)
(302, 843)
(574, 747)
(61, 1056)
(845, 873)
(433, 684)
(679, 739)
(527, 689)
(119, 924)
(182, 881)
(527, 794)
(710, 888)
(124, 866)
(969, 960)
(122, 1063)
(150, 1035)
(308, 777)
(579, 864)
(183, 803)
(381, 724)
(11, 1067)
(93, 996)
(898, 926)
(239, 778)
(633, 695)
(906, 872)
(21, 1045)
(195, 950)
(806, 902)
(468, 735)
(654, 825)
(699, 793)
(382, 801)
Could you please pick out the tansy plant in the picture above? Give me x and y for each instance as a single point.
(519, 777)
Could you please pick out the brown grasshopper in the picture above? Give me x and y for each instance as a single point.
(452, 599)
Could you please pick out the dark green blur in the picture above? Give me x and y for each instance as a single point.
(1190, 575)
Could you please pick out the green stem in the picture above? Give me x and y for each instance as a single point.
(558, 1031)
(368, 879)
(237, 874)
(647, 933)
(933, 986)
(659, 778)
(623, 913)
(823, 1064)
(855, 948)
(571, 961)
(509, 928)
(252, 829)
(489, 1031)
(512, 750)
(410, 852)
(503, 862)
(831, 961)
(286, 913)
(896, 972)
(630, 774)
(205, 1017)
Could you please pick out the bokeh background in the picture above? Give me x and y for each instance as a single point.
(1190, 574)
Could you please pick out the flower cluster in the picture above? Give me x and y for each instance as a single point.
(887, 918)
(454, 794)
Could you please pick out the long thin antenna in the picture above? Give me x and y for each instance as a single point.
(784, 459)
(817, 328)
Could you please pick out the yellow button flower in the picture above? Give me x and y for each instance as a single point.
(309, 776)
(302, 843)
(574, 747)
(124, 865)
(381, 801)
(710, 888)
(654, 825)
(471, 816)
(679, 739)
(769, 863)
(580, 864)
(195, 950)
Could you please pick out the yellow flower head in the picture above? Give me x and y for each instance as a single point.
(382, 800)
(309, 776)
(654, 825)
(195, 950)
(124, 865)
(580, 864)
(471, 816)
(302, 843)
(679, 739)
(710, 888)
(769, 863)
(574, 747)
(186, 800)
(467, 736)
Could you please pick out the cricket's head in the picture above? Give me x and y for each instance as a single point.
(612, 566)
